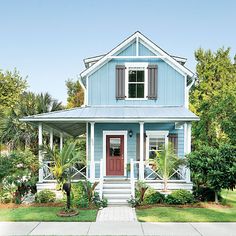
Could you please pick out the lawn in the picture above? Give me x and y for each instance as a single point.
(210, 213)
(33, 213)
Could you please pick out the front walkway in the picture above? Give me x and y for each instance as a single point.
(117, 213)
(117, 228)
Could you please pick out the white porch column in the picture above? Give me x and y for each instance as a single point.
(92, 164)
(51, 139)
(141, 163)
(187, 146)
(40, 143)
(61, 141)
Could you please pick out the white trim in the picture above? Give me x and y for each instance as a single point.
(87, 149)
(137, 65)
(61, 141)
(125, 119)
(185, 92)
(137, 57)
(114, 132)
(168, 58)
(51, 139)
(40, 153)
(137, 46)
(141, 142)
(85, 91)
(155, 133)
(92, 163)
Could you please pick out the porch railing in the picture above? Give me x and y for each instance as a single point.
(180, 174)
(79, 171)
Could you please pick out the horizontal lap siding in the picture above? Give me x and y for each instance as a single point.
(170, 88)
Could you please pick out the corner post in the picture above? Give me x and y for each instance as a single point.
(51, 139)
(92, 164)
(61, 141)
(40, 153)
(141, 163)
(187, 146)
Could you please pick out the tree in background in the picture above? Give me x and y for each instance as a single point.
(12, 85)
(213, 98)
(75, 94)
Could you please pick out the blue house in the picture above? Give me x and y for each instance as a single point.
(135, 103)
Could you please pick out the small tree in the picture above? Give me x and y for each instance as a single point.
(214, 168)
(64, 160)
(166, 162)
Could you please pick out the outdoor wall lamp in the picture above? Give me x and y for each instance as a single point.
(130, 133)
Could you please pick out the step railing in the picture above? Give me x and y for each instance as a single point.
(132, 180)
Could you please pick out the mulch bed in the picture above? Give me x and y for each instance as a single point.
(72, 212)
(195, 205)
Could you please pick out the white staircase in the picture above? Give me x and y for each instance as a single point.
(117, 190)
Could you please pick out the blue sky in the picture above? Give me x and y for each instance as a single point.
(47, 40)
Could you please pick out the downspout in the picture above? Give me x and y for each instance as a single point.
(85, 90)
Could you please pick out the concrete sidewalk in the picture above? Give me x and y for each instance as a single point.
(117, 228)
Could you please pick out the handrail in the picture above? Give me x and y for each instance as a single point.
(132, 181)
(101, 180)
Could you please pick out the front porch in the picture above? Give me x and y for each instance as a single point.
(120, 143)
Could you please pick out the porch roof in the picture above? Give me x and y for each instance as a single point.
(126, 113)
(73, 121)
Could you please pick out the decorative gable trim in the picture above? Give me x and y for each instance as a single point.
(137, 36)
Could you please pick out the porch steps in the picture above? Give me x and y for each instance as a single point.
(117, 191)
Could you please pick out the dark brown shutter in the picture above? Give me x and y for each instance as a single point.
(120, 82)
(152, 82)
(138, 147)
(173, 138)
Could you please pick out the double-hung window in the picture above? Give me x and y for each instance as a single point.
(156, 142)
(136, 78)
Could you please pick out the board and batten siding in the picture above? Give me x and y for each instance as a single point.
(131, 141)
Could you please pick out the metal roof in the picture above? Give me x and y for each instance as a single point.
(117, 113)
(73, 121)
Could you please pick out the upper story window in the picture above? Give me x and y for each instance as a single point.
(136, 80)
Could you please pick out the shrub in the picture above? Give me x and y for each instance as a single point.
(133, 202)
(82, 203)
(140, 189)
(203, 194)
(99, 202)
(152, 196)
(45, 196)
(77, 193)
(179, 197)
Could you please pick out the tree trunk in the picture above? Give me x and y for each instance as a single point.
(165, 184)
(216, 197)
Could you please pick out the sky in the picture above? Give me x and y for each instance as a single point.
(47, 40)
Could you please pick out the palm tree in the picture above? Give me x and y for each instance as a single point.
(64, 160)
(166, 162)
(17, 134)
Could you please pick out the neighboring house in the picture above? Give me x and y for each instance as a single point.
(135, 102)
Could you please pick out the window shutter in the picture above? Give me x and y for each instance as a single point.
(173, 138)
(152, 82)
(138, 147)
(120, 82)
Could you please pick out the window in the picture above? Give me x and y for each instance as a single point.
(156, 142)
(136, 80)
(114, 147)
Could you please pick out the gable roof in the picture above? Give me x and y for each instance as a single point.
(173, 61)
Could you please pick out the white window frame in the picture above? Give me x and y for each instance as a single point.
(137, 65)
(155, 134)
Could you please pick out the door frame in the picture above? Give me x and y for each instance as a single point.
(114, 132)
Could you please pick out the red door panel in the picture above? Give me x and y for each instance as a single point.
(115, 154)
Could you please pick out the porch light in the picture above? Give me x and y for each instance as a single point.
(130, 133)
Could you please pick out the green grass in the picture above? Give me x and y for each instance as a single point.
(175, 214)
(44, 214)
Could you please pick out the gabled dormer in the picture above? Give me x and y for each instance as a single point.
(136, 72)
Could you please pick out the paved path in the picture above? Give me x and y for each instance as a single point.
(119, 213)
(117, 228)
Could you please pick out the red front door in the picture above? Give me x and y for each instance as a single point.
(115, 154)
